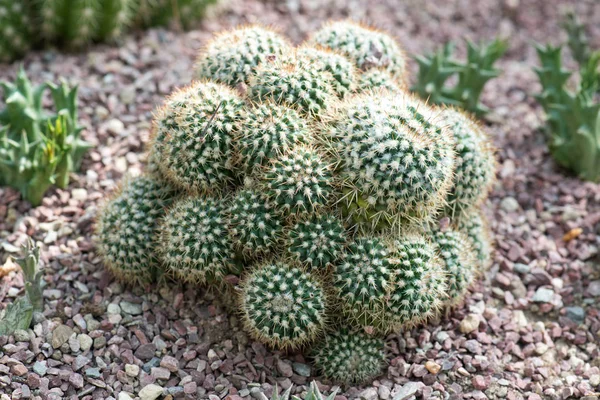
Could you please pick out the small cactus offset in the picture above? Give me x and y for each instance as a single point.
(283, 306)
(476, 227)
(15, 30)
(128, 229)
(308, 172)
(350, 357)
(313, 393)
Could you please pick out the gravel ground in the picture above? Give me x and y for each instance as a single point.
(528, 331)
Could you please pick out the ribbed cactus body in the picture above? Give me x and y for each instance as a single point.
(194, 243)
(282, 305)
(476, 227)
(340, 68)
(318, 242)
(349, 357)
(128, 228)
(194, 134)
(378, 79)
(232, 57)
(365, 46)
(15, 30)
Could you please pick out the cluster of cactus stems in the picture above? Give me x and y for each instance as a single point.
(572, 116)
(313, 393)
(437, 68)
(38, 148)
(311, 174)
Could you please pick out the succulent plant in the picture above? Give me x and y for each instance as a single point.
(282, 305)
(395, 161)
(15, 30)
(267, 131)
(293, 81)
(435, 69)
(193, 138)
(475, 165)
(476, 227)
(363, 45)
(255, 226)
(317, 242)
(299, 182)
(194, 245)
(182, 14)
(313, 393)
(128, 229)
(459, 260)
(342, 70)
(349, 357)
(232, 57)
(38, 148)
(377, 78)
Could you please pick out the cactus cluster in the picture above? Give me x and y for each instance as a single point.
(311, 174)
(15, 30)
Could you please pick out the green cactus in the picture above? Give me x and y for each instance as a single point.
(128, 229)
(364, 45)
(267, 131)
(377, 78)
(182, 14)
(193, 139)
(476, 227)
(232, 57)
(578, 41)
(313, 393)
(475, 165)
(194, 245)
(349, 357)
(38, 148)
(293, 81)
(395, 162)
(299, 183)
(282, 305)
(255, 226)
(15, 30)
(342, 70)
(472, 75)
(317, 242)
(460, 263)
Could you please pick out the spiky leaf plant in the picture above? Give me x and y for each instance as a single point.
(282, 305)
(377, 78)
(293, 81)
(298, 182)
(476, 227)
(349, 357)
(128, 229)
(15, 30)
(363, 45)
(475, 165)
(232, 57)
(267, 131)
(193, 138)
(342, 70)
(395, 160)
(313, 393)
(317, 242)
(459, 260)
(255, 226)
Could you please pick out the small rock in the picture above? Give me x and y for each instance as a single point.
(469, 323)
(543, 295)
(369, 394)
(479, 382)
(384, 392)
(21, 335)
(170, 363)
(150, 392)
(19, 369)
(433, 367)
(113, 309)
(40, 368)
(509, 204)
(76, 380)
(301, 369)
(145, 351)
(131, 308)
(408, 390)
(132, 370)
(594, 289)
(124, 396)
(160, 373)
(93, 372)
(284, 368)
(85, 342)
(60, 335)
(79, 194)
(576, 314)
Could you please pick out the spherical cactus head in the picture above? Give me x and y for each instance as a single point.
(267, 131)
(282, 305)
(15, 30)
(419, 289)
(194, 244)
(294, 81)
(395, 161)
(365, 46)
(474, 224)
(127, 228)
(349, 357)
(363, 280)
(254, 225)
(317, 242)
(232, 57)
(298, 182)
(193, 138)
(475, 165)
(459, 262)
(378, 79)
(341, 69)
